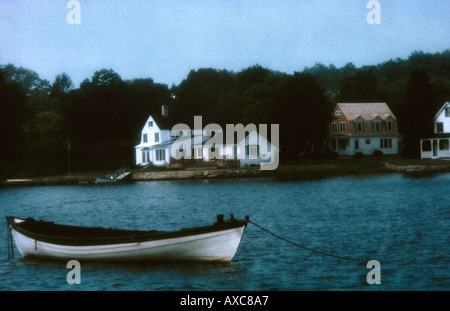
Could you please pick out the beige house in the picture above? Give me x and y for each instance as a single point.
(363, 128)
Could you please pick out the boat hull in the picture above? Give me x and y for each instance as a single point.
(217, 246)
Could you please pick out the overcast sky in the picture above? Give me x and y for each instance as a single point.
(165, 39)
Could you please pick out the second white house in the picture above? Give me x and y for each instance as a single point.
(438, 146)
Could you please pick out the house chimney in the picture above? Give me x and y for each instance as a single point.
(164, 110)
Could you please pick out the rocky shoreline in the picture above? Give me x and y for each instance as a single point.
(89, 179)
(197, 174)
(290, 172)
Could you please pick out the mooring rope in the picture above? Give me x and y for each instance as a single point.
(307, 248)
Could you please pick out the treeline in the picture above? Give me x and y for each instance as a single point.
(100, 121)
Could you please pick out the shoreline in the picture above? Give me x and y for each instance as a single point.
(313, 169)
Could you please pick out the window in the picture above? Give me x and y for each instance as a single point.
(377, 125)
(447, 112)
(439, 127)
(150, 123)
(443, 145)
(252, 151)
(334, 127)
(342, 127)
(338, 113)
(359, 126)
(156, 137)
(144, 138)
(386, 143)
(160, 154)
(367, 141)
(389, 125)
(426, 145)
(356, 144)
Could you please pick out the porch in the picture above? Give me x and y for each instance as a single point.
(435, 148)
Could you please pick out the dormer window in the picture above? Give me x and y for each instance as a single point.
(359, 126)
(377, 125)
(389, 125)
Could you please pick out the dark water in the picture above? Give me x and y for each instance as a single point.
(401, 222)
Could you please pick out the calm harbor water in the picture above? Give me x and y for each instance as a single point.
(400, 221)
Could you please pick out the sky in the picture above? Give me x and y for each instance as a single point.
(165, 39)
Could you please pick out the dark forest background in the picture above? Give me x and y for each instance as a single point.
(100, 121)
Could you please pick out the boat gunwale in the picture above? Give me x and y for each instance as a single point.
(129, 236)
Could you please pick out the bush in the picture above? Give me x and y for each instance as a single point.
(378, 153)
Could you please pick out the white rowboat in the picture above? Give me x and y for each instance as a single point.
(42, 239)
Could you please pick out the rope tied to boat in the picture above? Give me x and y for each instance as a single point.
(362, 261)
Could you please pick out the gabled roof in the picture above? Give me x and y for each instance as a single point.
(250, 138)
(367, 111)
(447, 104)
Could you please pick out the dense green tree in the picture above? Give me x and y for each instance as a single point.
(103, 117)
(360, 86)
(62, 85)
(416, 118)
(248, 81)
(298, 104)
(209, 93)
(28, 79)
(13, 113)
(106, 78)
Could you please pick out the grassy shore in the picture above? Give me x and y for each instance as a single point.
(352, 166)
(306, 170)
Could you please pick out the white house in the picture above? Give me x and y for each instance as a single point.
(155, 140)
(438, 146)
(363, 128)
(160, 145)
(255, 149)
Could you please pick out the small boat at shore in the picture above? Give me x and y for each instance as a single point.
(106, 180)
(119, 175)
(42, 239)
